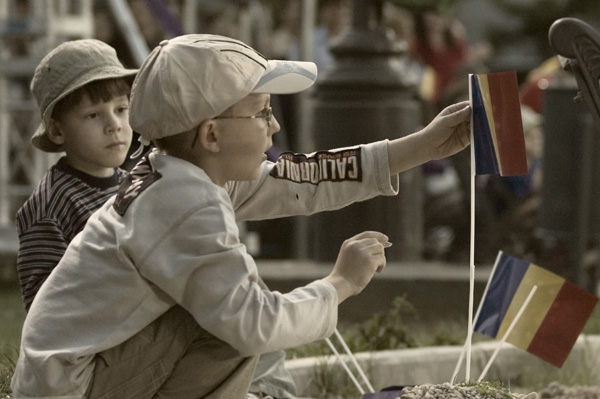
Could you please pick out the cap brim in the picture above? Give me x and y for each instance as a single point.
(41, 140)
(286, 77)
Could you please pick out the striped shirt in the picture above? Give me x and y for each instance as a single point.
(52, 216)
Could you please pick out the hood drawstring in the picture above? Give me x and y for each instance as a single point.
(143, 143)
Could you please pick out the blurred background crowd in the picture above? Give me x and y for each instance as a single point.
(442, 42)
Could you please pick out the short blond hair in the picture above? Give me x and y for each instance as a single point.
(177, 142)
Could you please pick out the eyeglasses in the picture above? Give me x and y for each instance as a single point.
(266, 114)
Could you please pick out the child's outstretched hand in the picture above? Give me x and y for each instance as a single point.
(358, 260)
(449, 131)
(446, 134)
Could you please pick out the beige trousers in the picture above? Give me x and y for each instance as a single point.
(172, 358)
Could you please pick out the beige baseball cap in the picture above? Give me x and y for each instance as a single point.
(191, 78)
(66, 68)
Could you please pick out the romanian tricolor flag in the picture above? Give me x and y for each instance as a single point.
(553, 319)
(498, 142)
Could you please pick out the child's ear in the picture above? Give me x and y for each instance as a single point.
(207, 136)
(55, 133)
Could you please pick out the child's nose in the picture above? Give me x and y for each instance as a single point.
(274, 127)
(113, 124)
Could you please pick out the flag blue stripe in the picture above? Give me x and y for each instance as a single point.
(507, 277)
(486, 162)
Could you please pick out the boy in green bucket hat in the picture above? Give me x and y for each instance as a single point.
(82, 91)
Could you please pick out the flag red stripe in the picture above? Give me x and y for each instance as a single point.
(506, 107)
(562, 325)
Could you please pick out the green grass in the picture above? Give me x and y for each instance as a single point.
(12, 315)
(7, 367)
(397, 328)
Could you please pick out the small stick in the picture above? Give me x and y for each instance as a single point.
(470, 322)
(471, 249)
(352, 377)
(353, 358)
(464, 349)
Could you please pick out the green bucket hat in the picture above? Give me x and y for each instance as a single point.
(68, 67)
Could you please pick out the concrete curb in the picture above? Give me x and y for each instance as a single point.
(435, 365)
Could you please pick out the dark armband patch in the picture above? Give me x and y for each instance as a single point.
(139, 179)
(335, 166)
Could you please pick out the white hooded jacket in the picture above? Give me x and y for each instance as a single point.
(171, 238)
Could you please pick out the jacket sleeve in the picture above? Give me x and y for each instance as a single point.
(211, 275)
(41, 247)
(303, 184)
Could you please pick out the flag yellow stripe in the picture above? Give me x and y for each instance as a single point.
(489, 112)
(549, 284)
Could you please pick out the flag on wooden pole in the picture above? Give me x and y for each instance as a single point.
(497, 147)
(551, 322)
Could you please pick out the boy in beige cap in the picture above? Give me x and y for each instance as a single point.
(157, 297)
(82, 91)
